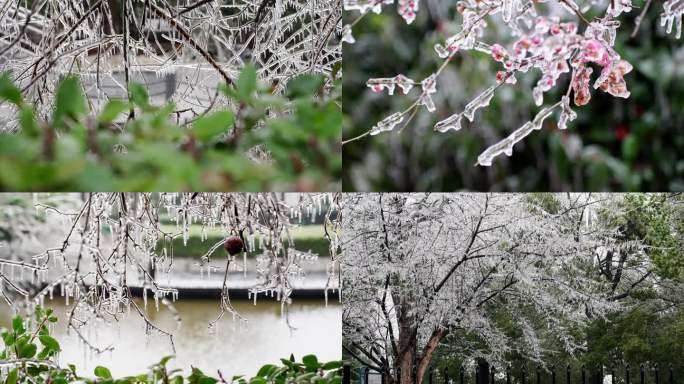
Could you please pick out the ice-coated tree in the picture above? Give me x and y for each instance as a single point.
(180, 49)
(421, 267)
(554, 39)
(93, 248)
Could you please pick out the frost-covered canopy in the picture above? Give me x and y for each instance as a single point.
(419, 267)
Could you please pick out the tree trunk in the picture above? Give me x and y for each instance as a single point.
(407, 340)
(426, 358)
(406, 375)
(388, 378)
(414, 366)
(482, 372)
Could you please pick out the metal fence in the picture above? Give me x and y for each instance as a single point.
(485, 374)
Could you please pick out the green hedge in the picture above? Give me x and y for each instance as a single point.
(195, 247)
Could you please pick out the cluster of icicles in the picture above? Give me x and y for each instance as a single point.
(280, 39)
(53, 273)
(542, 42)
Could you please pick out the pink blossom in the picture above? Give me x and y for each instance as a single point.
(593, 50)
(580, 85)
(498, 52)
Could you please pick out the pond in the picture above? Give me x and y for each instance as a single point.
(236, 348)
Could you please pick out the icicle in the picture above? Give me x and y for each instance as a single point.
(481, 101)
(506, 145)
(567, 114)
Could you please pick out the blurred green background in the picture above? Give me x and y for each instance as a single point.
(633, 144)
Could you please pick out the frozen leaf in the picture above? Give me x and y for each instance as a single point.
(580, 85)
(429, 87)
(453, 122)
(614, 82)
(377, 85)
(347, 35)
(388, 123)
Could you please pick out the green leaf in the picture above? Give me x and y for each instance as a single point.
(209, 126)
(138, 95)
(630, 147)
(266, 370)
(43, 354)
(52, 319)
(8, 91)
(206, 380)
(247, 82)
(27, 120)
(70, 101)
(332, 365)
(49, 343)
(27, 351)
(8, 339)
(12, 377)
(305, 377)
(310, 362)
(287, 363)
(102, 372)
(166, 359)
(304, 85)
(113, 109)
(18, 324)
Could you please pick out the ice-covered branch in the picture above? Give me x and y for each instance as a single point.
(544, 38)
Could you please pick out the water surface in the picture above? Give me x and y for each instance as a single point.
(236, 348)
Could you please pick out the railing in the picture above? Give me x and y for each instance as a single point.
(487, 375)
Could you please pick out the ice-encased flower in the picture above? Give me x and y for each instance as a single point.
(408, 10)
(614, 82)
